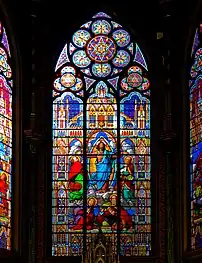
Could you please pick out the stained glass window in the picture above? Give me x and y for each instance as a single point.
(195, 87)
(101, 163)
(5, 140)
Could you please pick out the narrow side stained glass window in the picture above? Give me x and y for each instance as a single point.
(6, 86)
(195, 99)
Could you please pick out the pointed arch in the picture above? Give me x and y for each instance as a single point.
(9, 79)
(6, 86)
(104, 125)
(10, 137)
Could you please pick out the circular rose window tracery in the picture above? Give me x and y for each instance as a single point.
(101, 49)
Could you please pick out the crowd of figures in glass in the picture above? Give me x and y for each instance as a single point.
(5, 140)
(195, 86)
(101, 142)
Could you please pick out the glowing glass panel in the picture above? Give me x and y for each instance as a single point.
(195, 97)
(101, 143)
(5, 141)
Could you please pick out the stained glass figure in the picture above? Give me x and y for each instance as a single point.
(195, 86)
(101, 143)
(5, 141)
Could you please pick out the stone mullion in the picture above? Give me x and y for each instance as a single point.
(39, 226)
(162, 230)
(30, 135)
(167, 132)
(40, 200)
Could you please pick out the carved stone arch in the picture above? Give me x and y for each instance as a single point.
(47, 66)
(8, 20)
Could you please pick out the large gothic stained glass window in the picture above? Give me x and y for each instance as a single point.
(5, 140)
(195, 87)
(101, 167)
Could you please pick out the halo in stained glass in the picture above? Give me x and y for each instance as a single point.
(121, 37)
(101, 27)
(80, 38)
(122, 59)
(101, 48)
(68, 80)
(101, 70)
(80, 59)
(134, 80)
